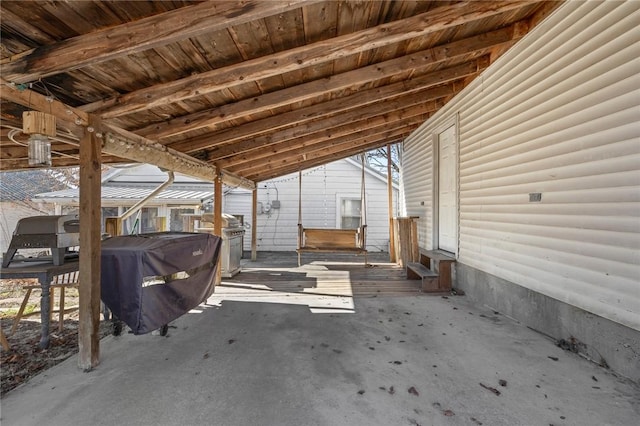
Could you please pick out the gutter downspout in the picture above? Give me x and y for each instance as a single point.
(134, 209)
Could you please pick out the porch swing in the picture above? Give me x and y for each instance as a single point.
(330, 240)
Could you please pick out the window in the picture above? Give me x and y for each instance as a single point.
(142, 221)
(350, 213)
(176, 221)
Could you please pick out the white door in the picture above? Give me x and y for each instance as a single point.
(447, 191)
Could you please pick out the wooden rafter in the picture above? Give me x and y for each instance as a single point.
(477, 45)
(397, 124)
(302, 57)
(33, 100)
(372, 124)
(317, 159)
(351, 119)
(72, 161)
(410, 116)
(305, 115)
(136, 148)
(120, 142)
(164, 28)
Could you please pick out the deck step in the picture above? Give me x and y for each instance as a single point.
(420, 270)
(430, 280)
(437, 255)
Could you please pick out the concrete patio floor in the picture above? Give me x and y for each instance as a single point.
(255, 356)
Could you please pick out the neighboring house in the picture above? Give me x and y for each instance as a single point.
(325, 190)
(331, 197)
(17, 190)
(530, 177)
(124, 186)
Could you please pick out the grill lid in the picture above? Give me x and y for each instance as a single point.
(228, 220)
(55, 224)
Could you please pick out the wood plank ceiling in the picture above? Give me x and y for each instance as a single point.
(257, 89)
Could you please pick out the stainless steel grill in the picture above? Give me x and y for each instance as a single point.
(56, 233)
(232, 237)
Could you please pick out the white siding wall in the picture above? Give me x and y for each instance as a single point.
(278, 229)
(559, 114)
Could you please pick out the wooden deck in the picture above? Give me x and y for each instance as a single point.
(322, 275)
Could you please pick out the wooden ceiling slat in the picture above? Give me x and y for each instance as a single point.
(143, 34)
(319, 25)
(302, 57)
(21, 32)
(286, 31)
(217, 48)
(303, 115)
(252, 99)
(342, 151)
(351, 18)
(352, 116)
(416, 61)
(322, 140)
(47, 24)
(38, 102)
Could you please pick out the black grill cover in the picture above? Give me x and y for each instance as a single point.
(127, 260)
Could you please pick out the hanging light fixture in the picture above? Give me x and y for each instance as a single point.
(39, 126)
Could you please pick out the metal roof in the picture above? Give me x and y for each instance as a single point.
(24, 185)
(123, 193)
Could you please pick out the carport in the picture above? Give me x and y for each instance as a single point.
(233, 93)
(241, 92)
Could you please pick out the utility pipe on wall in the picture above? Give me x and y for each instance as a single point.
(113, 225)
(137, 206)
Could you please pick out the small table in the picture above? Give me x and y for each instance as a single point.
(44, 272)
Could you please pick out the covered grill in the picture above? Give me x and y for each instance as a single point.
(57, 233)
(149, 280)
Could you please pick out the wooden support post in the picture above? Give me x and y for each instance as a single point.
(61, 310)
(217, 217)
(392, 237)
(3, 340)
(89, 272)
(254, 224)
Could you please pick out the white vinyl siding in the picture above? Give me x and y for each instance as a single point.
(559, 115)
(323, 188)
(417, 185)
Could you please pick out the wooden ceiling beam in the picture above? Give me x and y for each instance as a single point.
(320, 110)
(476, 45)
(128, 145)
(119, 142)
(310, 147)
(325, 125)
(147, 33)
(366, 126)
(13, 151)
(303, 56)
(315, 160)
(302, 115)
(17, 164)
(76, 119)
